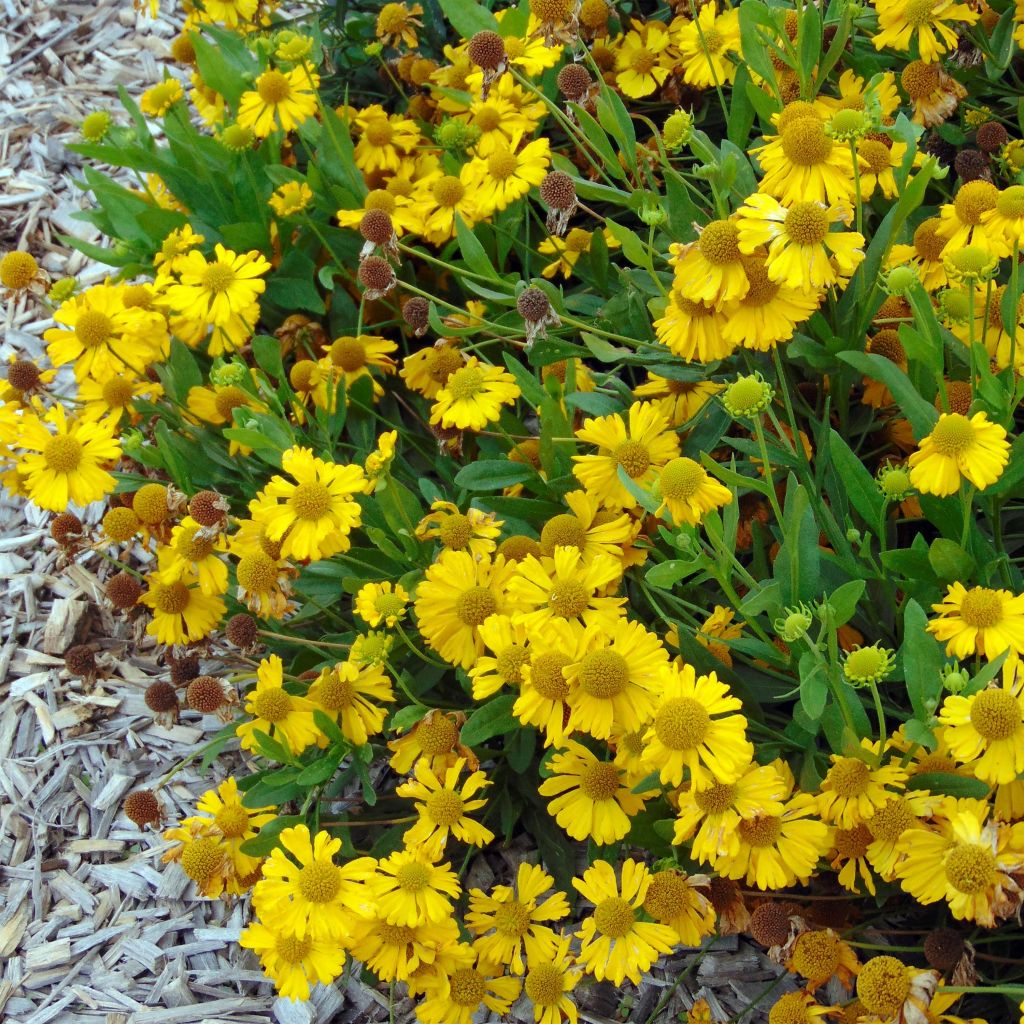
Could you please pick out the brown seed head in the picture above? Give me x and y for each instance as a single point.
(558, 191)
(415, 312)
(242, 631)
(160, 697)
(66, 528)
(533, 305)
(183, 669)
(142, 808)
(375, 273)
(23, 375)
(971, 165)
(991, 137)
(573, 82)
(487, 50)
(123, 591)
(207, 508)
(80, 660)
(769, 924)
(205, 694)
(943, 948)
(376, 227)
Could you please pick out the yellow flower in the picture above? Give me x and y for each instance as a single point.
(987, 729)
(476, 531)
(169, 260)
(704, 44)
(457, 595)
(68, 464)
(853, 789)
(933, 94)
(613, 686)
(684, 735)
(396, 952)
(777, 850)
(568, 250)
(228, 12)
(677, 400)
(614, 944)
(544, 688)
(353, 357)
(506, 112)
(398, 23)
(640, 449)
(711, 268)
(507, 173)
(193, 553)
(511, 920)
(384, 139)
(973, 449)
(966, 862)
(804, 164)
(276, 712)
(346, 693)
(548, 983)
(378, 462)
(900, 21)
(281, 99)
(643, 59)
(182, 613)
(508, 643)
(688, 492)
(313, 515)
(466, 986)
(877, 161)
(968, 221)
(692, 330)
(159, 99)
(427, 370)
(895, 817)
(411, 889)
(294, 964)
(225, 816)
(443, 805)
(682, 903)
(802, 246)
(593, 798)
(979, 621)
(587, 528)
(434, 738)
(925, 254)
(291, 198)
(473, 396)
(115, 396)
(309, 895)
(381, 602)
(214, 292)
(564, 587)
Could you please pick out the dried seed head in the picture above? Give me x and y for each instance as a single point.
(376, 227)
(574, 81)
(161, 697)
(971, 165)
(533, 305)
(769, 924)
(487, 50)
(183, 669)
(205, 694)
(23, 375)
(66, 528)
(242, 631)
(415, 312)
(991, 137)
(80, 660)
(376, 275)
(558, 191)
(142, 808)
(123, 591)
(208, 508)
(943, 948)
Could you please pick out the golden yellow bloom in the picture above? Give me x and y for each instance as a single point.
(973, 449)
(473, 395)
(900, 21)
(987, 729)
(290, 198)
(281, 99)
(294, 964)
(276, 712)
(705, 43)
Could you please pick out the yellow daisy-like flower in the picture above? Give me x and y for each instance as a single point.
(384, 140)
(613, 685)
(587, 528)
(192, 552)
(214, 292)
(398, 23)
(230, 13)
(473, 531)
(593, 798)
(682, 903)
(565, 587)
(688, 493)
(899, 22)
(959, 448)
(182, 613)
(281, 99)
(848, 858)
(466, 986)
(640, 449)
(473, 396)
(678, 400)
(353, 357)
(459, 592)
(307, 894)
(395, 952)
(878, 162)
(381, 602)
(511, 920)
(711, 268)
(643, 59)
(378, 462)
(224, 815)
(900, 813)
(684, 735)
(614, 944)
(443, 805)
(967, 221)
(102, 335)
(290, 198)
(276, 712)
(437, 201)
(68, 464)
(428, 370)
(508, 643)
(115, 397)
(704, 45)
(853, 789)
(312, 515)
(434, 738)
(804, 164)
(987, 729)
(157, 100)
(569, 249)
(708, 817)
(548, 983)
(347, 693)
(507, 173)
(966, 861)
(544, 689)
(924, 254)
(802, 247)
(692, 330)
(176, 245)
(294, 964)
(777, 850)
(979, 621)
(411, 889)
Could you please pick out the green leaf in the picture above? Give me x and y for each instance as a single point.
(267, 351)
(321, 769)
(183, 371)
(492, 475)
(813, 686)
(667, 574)
(859, 484)
(329, 727)
(272, 749)
(520, 749)
(922, 414)
(267, 838)
(647, 500)
(950, 561)
(615, 119)
(844, 601)
(468, 17)
(473, 252)
(495, 718)
(633, 247)
(599, 141)
(922, 662)
(948, 784)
